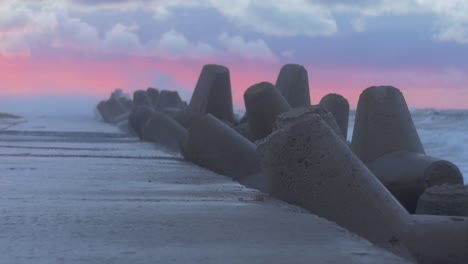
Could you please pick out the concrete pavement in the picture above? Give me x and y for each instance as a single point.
(74, 190)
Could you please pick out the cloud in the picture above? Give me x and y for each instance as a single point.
(74, 33)
(14, 47)
(289, 54)
(122, 38)
(279, 18)
(451, 23)
(97, 5)
(249, 50)
(272, 18)
(174, 45)
(30, 26)
(19, 23)
(359, 25)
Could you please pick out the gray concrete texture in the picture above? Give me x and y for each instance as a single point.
(169, 100)
(138, 118)
(212, 94)
(437, 239)
(293, 83)
(383, 124)
(263, 104)
(111, 109)
(87, 194)
(244, 130)
(153, 95)
(214, 145)
(406, 175)
(386, 140)
(164, 130)
(312, 167)
(296, 114)
(141, 98)
(446, 199)
(339, 107)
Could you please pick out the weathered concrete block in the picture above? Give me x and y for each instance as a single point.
(153, 95)
(169, 100)
(214, 145)
(244, 130)
(212, 93)
(446, 199)
(406, 175)
(111, 109)
(104, 111)
(119, 94)
(140, 98)
(311, 166)
(116, 108)
(164, 130)
(437, 239)
(297, 114)
(127, 103)
(386, 139)
(263, 104)
(383, 124)
(293, 83)
(339, 107)
(138, 118)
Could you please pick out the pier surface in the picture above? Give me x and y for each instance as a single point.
(75, 190)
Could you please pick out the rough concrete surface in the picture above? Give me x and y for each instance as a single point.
(71, 196)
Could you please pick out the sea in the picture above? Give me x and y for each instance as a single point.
(444, 134)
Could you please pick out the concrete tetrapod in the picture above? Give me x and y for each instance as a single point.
(446, 199)
(164, 130)
(386, 140)
(406, 175)
(117, 108)
(104, 111)
(339, 107)
(383, 124)
(293, 83)
(244, 130)
(140, 98)
(153, 95)
(214, 145)
(123, 98)
(437, 239)
(169, 100)
(296, 114)
(310, 166)
(138, 118)
(263, 104)
(212, 94)
(111, 109)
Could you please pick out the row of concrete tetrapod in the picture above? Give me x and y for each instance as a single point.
(115, 110)
(298, 152)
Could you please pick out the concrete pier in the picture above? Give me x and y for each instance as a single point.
(77, 191)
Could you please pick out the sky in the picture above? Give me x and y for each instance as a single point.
(53, 50)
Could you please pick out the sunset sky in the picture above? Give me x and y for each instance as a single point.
(87, 48)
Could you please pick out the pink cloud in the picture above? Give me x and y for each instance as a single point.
(33, 76)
